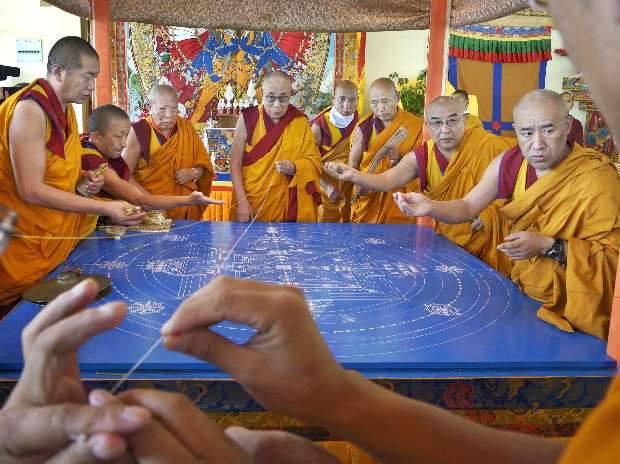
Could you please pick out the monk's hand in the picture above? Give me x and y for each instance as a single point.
(413, 204)
(278, 447)
(95, 182)
(179, 432)
(339, 171)
(287, 345)
(244, 211)
(525, 244)
(123, 213)
(477, 224)
(199, 198)
(286, 167)
(47, 408)
(333, 193)
(393, 156)
(183, 176)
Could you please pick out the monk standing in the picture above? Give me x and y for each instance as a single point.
(379, 141)
(471, 121)
(564, 215)
(275, 163)
(40, 165)
(166, 156)
(448, 166)
(332, 131)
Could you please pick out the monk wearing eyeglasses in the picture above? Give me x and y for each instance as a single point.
(275, 163)
(448, 166)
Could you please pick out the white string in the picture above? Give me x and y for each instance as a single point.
(218, 269)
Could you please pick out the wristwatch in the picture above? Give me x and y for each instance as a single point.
(556, 252)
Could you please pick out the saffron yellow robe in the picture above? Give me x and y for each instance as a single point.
(28, 260)
(596, 441)
(182, 150)
(274, 196)
(578, 201)
(336, 151)
(464, 170)
(379, 207)
(471, 122)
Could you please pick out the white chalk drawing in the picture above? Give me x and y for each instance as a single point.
(437, 309)
(449, 269)
(144, 308)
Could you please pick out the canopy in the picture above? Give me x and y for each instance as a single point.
(306, 15)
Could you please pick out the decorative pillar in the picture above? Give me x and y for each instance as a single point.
(101, 34)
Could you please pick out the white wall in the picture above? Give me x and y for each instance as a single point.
(558, 68)
(404, 52)
(27, 19)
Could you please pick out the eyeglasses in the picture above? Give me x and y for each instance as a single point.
(383, 101)
(282, 99)
(450, 122)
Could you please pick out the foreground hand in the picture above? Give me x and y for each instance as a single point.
(244, 211)
(286, 167)
(413, 204)
(117, 211)
(47, 407)
(340, 171)
(180, 432)
(199, 198)
(287, 345)
(95, 183)
(183, 176)
(525, 244)
(278, 447)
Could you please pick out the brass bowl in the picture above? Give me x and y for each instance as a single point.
(46, 290)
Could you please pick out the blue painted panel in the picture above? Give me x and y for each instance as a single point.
(384, 296)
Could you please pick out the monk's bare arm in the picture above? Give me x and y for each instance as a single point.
(357, 148)
(316, 132)
(27, 149)
(472, 204)
(131, 153)
(400, 430)
(236, 158)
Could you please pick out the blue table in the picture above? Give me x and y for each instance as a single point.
(392, 301)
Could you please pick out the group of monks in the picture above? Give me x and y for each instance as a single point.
(540, 207)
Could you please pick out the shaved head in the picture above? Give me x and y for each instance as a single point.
(449, 104)
(541, 99)
(277, 76)
(161, 90)
(346, 86)
(385, 84)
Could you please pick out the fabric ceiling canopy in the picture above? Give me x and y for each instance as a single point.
(306, 15)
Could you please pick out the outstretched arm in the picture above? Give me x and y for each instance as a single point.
(244, 209)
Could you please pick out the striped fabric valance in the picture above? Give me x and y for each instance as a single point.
(496, 44)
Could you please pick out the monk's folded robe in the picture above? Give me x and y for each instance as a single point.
(28, 260)
(335, 147)
(444, 180)
(274, 196)
(162, 157)
(578, 201)
(379, 207)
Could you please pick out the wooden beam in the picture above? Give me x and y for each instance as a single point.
(437, 68)
(101, 35)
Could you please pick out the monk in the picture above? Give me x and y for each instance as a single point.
(108, 128)
(448, 166)
(275, 163)
(471, 121)
(165, 155)
(332, 131)
(563, 212)
(575, 133)
(40, 165)
(379, 142)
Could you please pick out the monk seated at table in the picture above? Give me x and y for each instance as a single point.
(563, 204)
(108, 128)
(275, 163)
(448, 166)
(332, 131)
(379, 142)
(165, 155)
